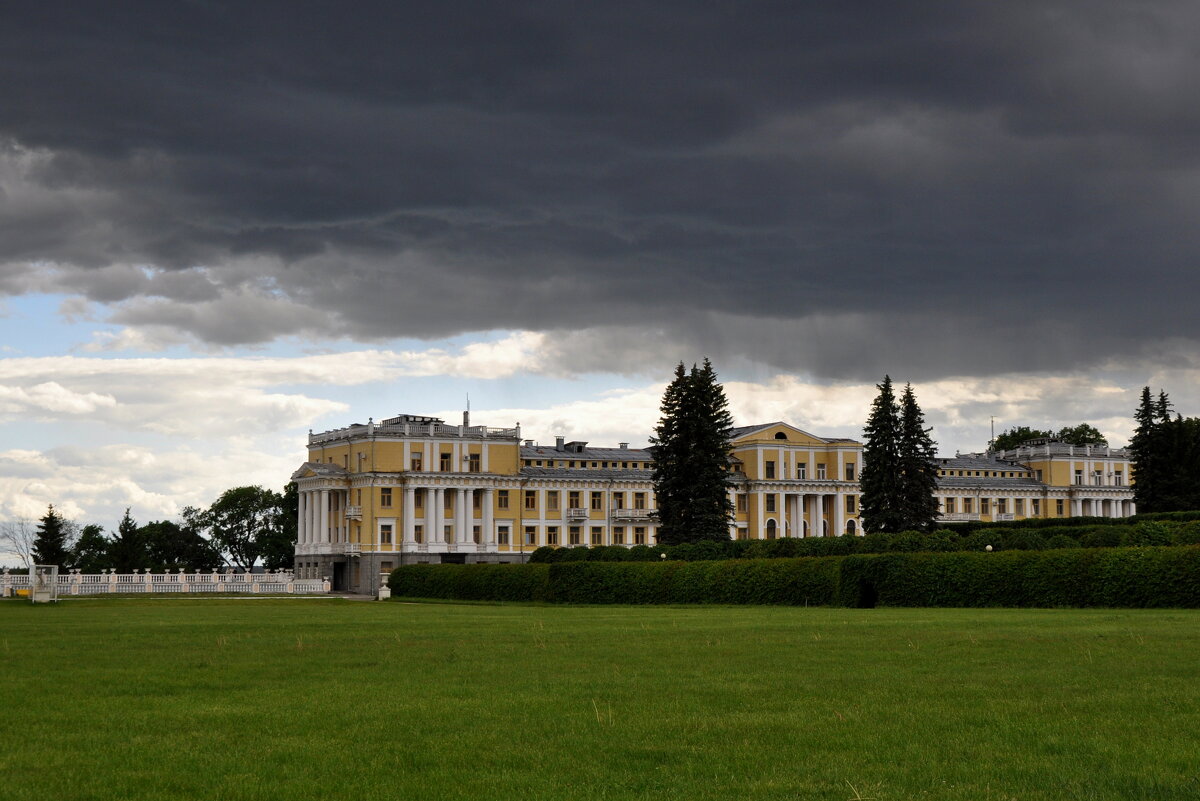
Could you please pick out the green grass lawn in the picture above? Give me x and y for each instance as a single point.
(330, 699)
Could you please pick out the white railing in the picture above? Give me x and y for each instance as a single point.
(577, 514)
(959, 517)
(281, 582)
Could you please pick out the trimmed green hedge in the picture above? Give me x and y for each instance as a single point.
(1082, 533)
(1150, 576)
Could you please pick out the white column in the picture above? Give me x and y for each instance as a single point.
(439, 515)
(841, 469)
(302, 519)
(489, 525)
(462, 517)
(760, 504)
(839, 509)
(409, 516)
(323, 526)
(820, 521)
(1076, 507)
(1132, 509)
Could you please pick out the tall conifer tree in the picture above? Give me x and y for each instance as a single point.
(127, 549)
(691, 450)
(50, 545)
(882, 491)
(918, 473)
(1143, 451)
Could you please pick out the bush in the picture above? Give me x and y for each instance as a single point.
(543, 554)
(1023, 540)
(1100, 537)
(1116, 577)
(1062, 541)
(1145, 576)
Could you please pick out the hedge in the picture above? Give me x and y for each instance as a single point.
(1083, 532)
(1151, 576)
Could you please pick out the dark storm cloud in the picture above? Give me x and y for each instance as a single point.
(961, 187)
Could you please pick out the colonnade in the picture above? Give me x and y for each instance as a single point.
(320, 518)
(824, 513)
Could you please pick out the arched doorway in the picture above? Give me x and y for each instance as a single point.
(771, 529)
(851, 528)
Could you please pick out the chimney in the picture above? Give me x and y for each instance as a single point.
(528, 443)
(558, 443)
(467, 419)
(623, 446)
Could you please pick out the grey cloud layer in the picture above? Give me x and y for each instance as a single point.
(959, 187)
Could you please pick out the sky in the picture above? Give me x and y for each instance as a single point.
(224, 224)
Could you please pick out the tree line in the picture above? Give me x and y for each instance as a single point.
(1166, 454)
(244, 526)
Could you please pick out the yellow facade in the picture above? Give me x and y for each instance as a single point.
(414, 489)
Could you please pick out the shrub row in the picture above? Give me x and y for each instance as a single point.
(751, 581)
(1000, 538)
(1104, 577)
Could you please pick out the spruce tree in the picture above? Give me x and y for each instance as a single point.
(711, 507)
(127, 550)
(1143, 451)
(918, 473)
(50, 545)
(882, 507)
(691, 451)
(669, 444)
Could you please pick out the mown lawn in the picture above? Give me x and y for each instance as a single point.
(330, 699)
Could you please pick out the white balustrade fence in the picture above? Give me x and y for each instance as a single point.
(75, 583)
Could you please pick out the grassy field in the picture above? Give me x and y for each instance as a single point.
(331, 699)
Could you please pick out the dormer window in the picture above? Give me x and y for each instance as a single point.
(781, 435)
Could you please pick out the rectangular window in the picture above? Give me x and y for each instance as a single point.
(447, 533)
(743, 501)
(619, 535)
(473, 463)
(445, 461)
(1119, 478)
(385, 534)
(597, 535)
(1098, 478)
(573, 500)
(618, 500)
(416, 463)
(770, 502)
(639, 500)
(1078, 476)
(448, 501)
(419, 532)
(639, 536)
(531, 499)
(985, 506)
(531, 535)
(551, 501)
(476, 500)
(948, 506)
(502, 535)
(575, 535)
(850, 471)
(802, 471)
(1058, 507)
(1002, 505)
(1019, 506)
(501, 499)
(821, 471)
(597, 499)
(476, 533)
(552, 535)
(850, 502)
(385, 496)
(1038, 474)
(770, 468)
(967, 504)
(1035, 507)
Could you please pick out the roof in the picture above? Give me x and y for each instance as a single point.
(567, 472)
(975, 461)
(990, 481)
(586, 454)
(319, 469)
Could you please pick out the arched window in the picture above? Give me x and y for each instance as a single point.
(780, 435)
(803, 528)
(771, 529)
(850, 529)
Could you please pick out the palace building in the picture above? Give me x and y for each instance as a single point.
(414, 489)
